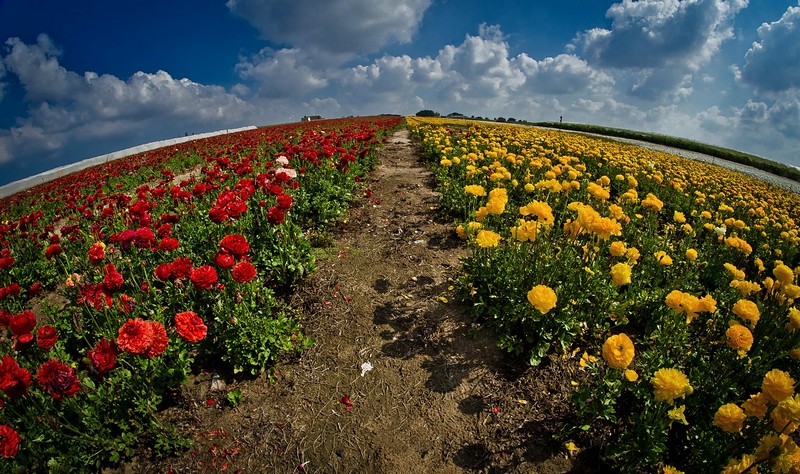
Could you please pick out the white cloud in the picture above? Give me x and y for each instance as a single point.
(333, 30)
(759, 127)
(773, 63)
(2, 84)
(284, 73)
(563, 74)
(480, 66)
(478, 74)
(65, 107)
(663, 39)
(327, 107)
(38, 70)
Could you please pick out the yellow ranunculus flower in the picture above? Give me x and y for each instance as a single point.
(794, 319)
(475, 190)
(783, 274)
(669, 384)
(543, 298)
(663, 258)
(621, 274)
(739, 338)
(618, 351)
(495, 206)
(617, 248)
(678, 414)
(748, 311)
(631, 375)
(487, 238)
(729, 418)
(756, 406)
(633, 255)
(691, 255)
(791, 291)
(652, 202)
(739, 466)
(777, 385)
(671, 470)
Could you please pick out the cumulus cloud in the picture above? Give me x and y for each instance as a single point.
(480, 66)
(64, 106)
(563, 74)
(335, 30)
(773, 63)
(479, 73)
(767, 129)
(284, 73)
(665, 40)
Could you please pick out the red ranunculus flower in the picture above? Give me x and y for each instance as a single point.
(126, 304)
(11, 290)
(285, 202)
(135, 336)
(224, 260)
(22, 323)
(190, 326)
(58, 378)
(164, 230)
(103, 356)
(46, 337)
(217, 215)
(113, 279)
(168, 244)
(35, 289)
(97, 252)
(14, 380)
(97, 296)
(203, 278)
(6, 262)
(243, 272)
(145, 238)
(163, 271)
(23, 342)
(235, 209)
(9, 441)
(160, 340)
(5, 317)
(181, 267)
(235, 245)
(275, 216)
(52, 250)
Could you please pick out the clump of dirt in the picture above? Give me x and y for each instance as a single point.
(399, 378)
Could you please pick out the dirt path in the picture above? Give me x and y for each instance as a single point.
(382, 295)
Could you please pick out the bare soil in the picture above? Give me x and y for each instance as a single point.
(440, 397)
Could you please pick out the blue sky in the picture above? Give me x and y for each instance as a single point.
(79, 79)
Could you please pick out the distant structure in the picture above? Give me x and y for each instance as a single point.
(309, 118)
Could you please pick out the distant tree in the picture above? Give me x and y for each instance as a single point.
(512, 119)
(427, 113)
(500, 119)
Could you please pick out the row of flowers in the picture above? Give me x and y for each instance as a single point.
(115, 280)
(592, 248)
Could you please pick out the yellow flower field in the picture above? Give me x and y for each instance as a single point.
(681, 274)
